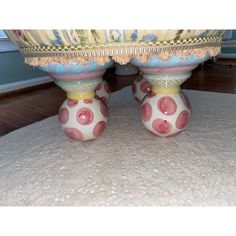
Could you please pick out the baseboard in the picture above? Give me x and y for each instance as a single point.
(228, 44)
(6, 45)
(227, 55)
(5, 88)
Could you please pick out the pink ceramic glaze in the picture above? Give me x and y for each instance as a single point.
(140, 87)
(146, 111)
(167, 70)
(80, 76)
(167, 105)
(165, 115)
(103, 91)
(83, 120)
(182, 119)
(161, 126)
(72, 103)
(74, 133)
(99, 128)
(84, 116)
(88, 100)
(63, 115)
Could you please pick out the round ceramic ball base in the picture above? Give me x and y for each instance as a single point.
(140, 88)
(103, 91)
(83, 120)
(165, 115)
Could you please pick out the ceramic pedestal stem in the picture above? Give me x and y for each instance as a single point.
(165, 111)
(84, 114)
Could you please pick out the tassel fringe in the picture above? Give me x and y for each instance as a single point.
(124, 58)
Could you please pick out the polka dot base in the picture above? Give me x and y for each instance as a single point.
(165, 115)
(140, 87)
(103, 91)
(83, 120)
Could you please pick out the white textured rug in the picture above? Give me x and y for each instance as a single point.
(127, 165)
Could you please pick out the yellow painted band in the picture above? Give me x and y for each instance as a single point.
(81, 96)
(166, 91)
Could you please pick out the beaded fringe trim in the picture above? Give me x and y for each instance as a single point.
(123, 58)
(40, 56)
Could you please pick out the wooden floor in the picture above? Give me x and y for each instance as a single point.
(26, 107)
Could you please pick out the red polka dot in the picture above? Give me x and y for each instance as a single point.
(134, 89)
(99, 86)
(88, 101)
(84, 116)
(139, 79)
(99, 128)
(104, 99)
(63, 115)
(185, 101)
(145, 87)
(167, 105)
(74, 134)
(103, 109)
(161, 126)
(146, 111)
(72, 103)
(182, 120)
(107, 88)
(151, 94)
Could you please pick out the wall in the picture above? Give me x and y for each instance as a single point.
(230, 50)
(13, 69)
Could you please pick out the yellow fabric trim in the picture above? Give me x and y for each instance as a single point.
(81, 96)
(166, 91)
(125, 44)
